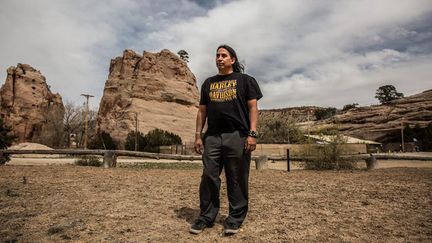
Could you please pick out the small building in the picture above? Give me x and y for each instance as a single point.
(370, 146)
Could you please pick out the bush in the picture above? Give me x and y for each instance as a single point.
(328, 156)
(88, 160)
(159, 137)
(102, 141)
(279, 131)
(349, 106)
(331, 130)
(324, 113)
(130, 141)
(5, 141)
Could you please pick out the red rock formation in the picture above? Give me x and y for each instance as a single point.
(378, 121)
(157, 87)
(372, 122)
(27, 104)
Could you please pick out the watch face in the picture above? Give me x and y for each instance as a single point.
(252, 134)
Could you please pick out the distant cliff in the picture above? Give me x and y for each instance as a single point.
(375, 122)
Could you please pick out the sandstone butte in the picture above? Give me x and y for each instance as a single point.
(374, 122)
(157, 88)
(28, 105)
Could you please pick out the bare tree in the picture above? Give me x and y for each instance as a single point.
(92, 124)
(52, 129)
(72, 122)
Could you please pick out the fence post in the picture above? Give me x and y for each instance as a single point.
(288, 161)
(371, 162)
(109, 159)
(261, 162)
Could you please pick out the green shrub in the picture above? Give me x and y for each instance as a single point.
(348, 107)
(324, 113)
(279, 131)
(88, 160)
(102, 140)
(328, 156)
(158, 137)
(332, 130)
(5, 141)
(130, 141)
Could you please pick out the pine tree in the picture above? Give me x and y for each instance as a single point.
(183, 55)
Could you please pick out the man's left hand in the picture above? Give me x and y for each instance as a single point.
(250, 144)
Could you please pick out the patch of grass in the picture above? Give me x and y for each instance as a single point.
(88, 160)
(156, 165)
(55, 230)
(65, 237)
(11, 193)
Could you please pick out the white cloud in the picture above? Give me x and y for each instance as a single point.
(72, 42)
(326, 53)
(309, 52)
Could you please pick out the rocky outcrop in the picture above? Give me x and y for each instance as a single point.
(297, 115)
(157, 88)
(28, 105)
(376, 122)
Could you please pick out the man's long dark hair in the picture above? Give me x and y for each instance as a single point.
(237, 67)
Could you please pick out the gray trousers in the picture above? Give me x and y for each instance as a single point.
(225, 150)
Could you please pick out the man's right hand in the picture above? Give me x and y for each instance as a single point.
(199, 146)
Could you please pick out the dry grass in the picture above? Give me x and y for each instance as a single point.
(89, 204)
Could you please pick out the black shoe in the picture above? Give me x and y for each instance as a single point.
(231, 228)
(198, 226)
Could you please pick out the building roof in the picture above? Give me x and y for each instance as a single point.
(348, 139)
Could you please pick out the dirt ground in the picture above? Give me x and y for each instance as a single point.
(60, 203)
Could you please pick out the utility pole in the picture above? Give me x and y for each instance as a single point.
(289, 124)
(308, 125)
(87, 96)
(402, 135)
(136, 131)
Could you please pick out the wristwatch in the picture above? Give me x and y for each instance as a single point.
(253, 134)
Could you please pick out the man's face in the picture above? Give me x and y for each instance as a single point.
(223, 59)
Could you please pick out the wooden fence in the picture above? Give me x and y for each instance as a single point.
(110, 156)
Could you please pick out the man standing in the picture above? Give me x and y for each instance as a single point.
(229, 104)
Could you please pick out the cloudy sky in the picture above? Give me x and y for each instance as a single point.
(302, 52)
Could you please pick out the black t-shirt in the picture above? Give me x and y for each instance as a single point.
(226, 99)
